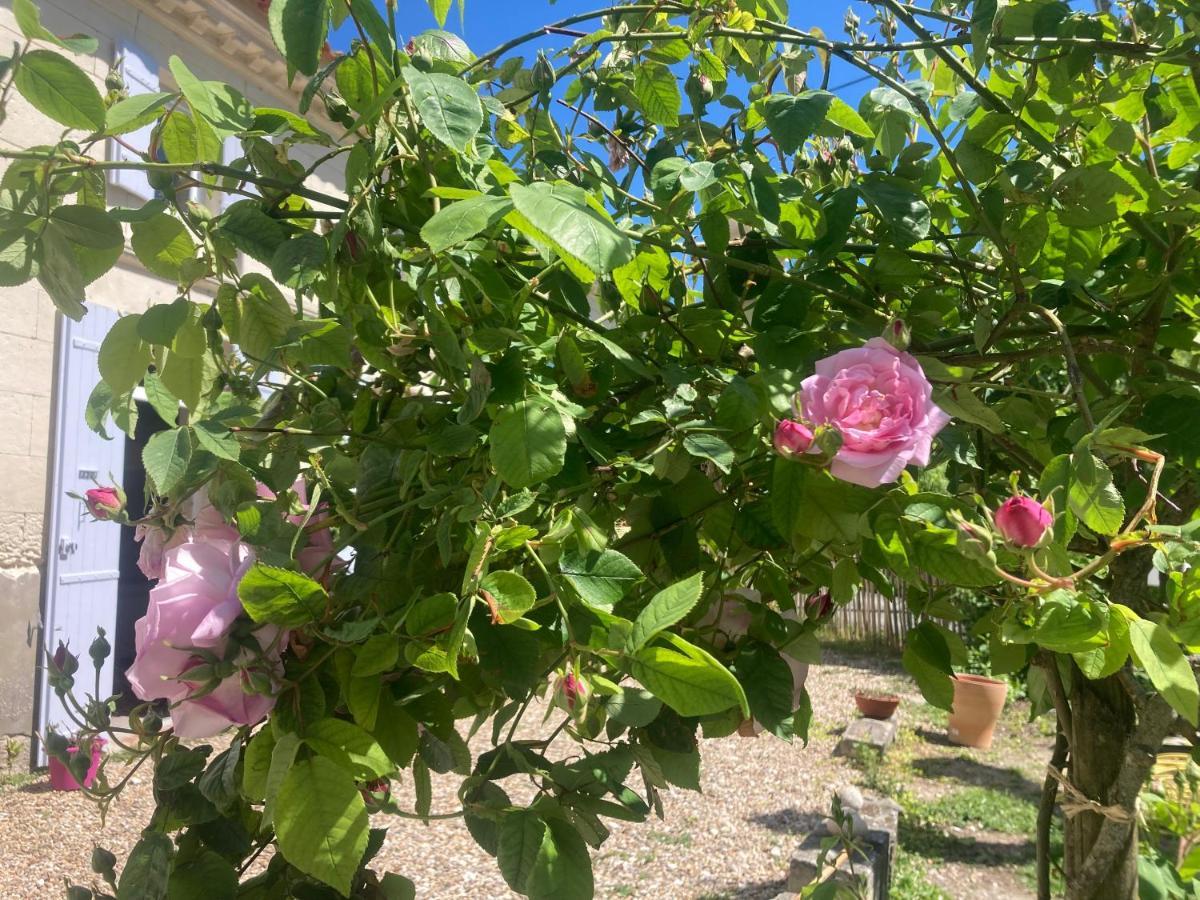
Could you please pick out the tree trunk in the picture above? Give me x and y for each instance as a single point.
(1113, 745)
(1103, 724)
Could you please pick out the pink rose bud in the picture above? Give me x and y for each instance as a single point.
(819, 605)
(792, 438)
(103, 502)
(1023, 522)
(898, 334)
(572, 693)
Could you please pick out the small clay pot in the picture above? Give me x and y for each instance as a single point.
(876, 706)
(978, 702)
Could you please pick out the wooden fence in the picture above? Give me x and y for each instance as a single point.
(872, 618)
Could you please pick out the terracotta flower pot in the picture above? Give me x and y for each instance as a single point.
(876, 706)
(978, 702)
(61, 778)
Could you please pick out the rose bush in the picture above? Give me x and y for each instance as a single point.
(505, 411)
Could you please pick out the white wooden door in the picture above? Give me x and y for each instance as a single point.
(79, 591)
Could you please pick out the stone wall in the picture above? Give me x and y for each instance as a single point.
(27, 316)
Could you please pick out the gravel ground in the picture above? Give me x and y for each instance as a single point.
(760, 796)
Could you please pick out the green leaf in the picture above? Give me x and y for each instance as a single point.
(463, 220)
(148, 868)
(136, 112)
(927, 659)
(57, 87)
(280, 596)
(203, 877)
(1159, 654)
(163, 402)
(521, 836)
(62, 279)
(440, 9)
(350, 746)
(257, 764)
(221, 105)
(252, 231)
(514, 595)
(769, 686)
(846, 117)
(377, 655)
(1092, 495)
(123, 356)
(793, 119)
(657, 92)
(562, 212)
(298, 262)
(600, 577)
(902, 208)
(449, 107)
(166, 457)
(298, 28)
(666, 608)
(217, 440)
(29, 20)
(562, 869)
(633, 706)
(188, 139)
(528, 443)
(321, 822)
(162, 244)
(711, 447)
(18, 259)
(689, 685)
(88, 227)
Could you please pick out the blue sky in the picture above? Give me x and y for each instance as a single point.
(488, 23)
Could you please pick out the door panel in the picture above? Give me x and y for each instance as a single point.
(82, 556)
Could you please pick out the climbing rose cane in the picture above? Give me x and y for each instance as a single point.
(1023, 522)
(192, 611)
(880, 401)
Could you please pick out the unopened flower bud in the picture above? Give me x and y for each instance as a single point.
(1023, 522)
(543, 74)
(99, 650)
(973, 540)
(65, 662)
(571, 693)
(376, 794)
(818, 606)
(104, 502)
(898, 334)
(792, 438)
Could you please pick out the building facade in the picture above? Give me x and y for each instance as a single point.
(51, 557)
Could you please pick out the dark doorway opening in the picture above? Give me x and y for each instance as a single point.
(133, 588)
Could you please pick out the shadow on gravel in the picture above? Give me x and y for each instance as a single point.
(932, 736)
(757, 890)
(789, 821)
(933, 843)
(979, 774)
(38, 787)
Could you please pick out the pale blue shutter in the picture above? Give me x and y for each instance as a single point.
(140, 71)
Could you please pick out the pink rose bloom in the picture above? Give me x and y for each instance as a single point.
(205, 523)
(1023, 522)
(194, 607)
(314, 556)
(103, 502)
(881, 402)
(792, 438)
